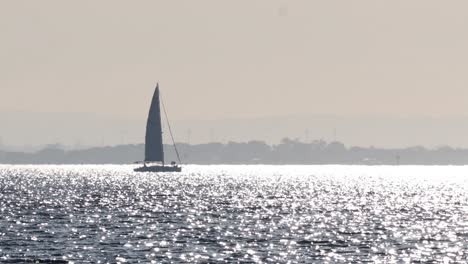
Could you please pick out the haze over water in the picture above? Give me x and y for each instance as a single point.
(101, 214)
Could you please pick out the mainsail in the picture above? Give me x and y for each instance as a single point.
(153, 140)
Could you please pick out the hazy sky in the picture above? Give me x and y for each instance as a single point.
(235, 59)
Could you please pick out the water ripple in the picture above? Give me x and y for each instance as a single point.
(100, 214)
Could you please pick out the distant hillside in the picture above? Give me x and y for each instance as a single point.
(253, 152)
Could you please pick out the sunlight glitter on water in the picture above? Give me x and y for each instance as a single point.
(227, 213)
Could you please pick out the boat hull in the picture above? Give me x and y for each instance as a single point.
(159, 169)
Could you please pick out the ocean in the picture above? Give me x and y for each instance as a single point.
(233, 213)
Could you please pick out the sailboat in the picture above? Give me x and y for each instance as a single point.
(154, 152)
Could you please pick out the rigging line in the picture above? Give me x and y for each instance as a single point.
(170, 130)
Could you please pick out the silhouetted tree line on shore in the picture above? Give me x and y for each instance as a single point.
(253, 152)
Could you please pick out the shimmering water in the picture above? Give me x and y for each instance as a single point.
(100, 214)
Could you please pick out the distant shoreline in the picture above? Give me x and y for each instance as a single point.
(288, 152)
(225, 164)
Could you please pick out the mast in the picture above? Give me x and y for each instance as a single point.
(153, 141)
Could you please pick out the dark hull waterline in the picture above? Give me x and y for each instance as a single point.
(159, 169)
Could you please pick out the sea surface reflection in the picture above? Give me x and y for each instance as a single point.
(101, 214)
